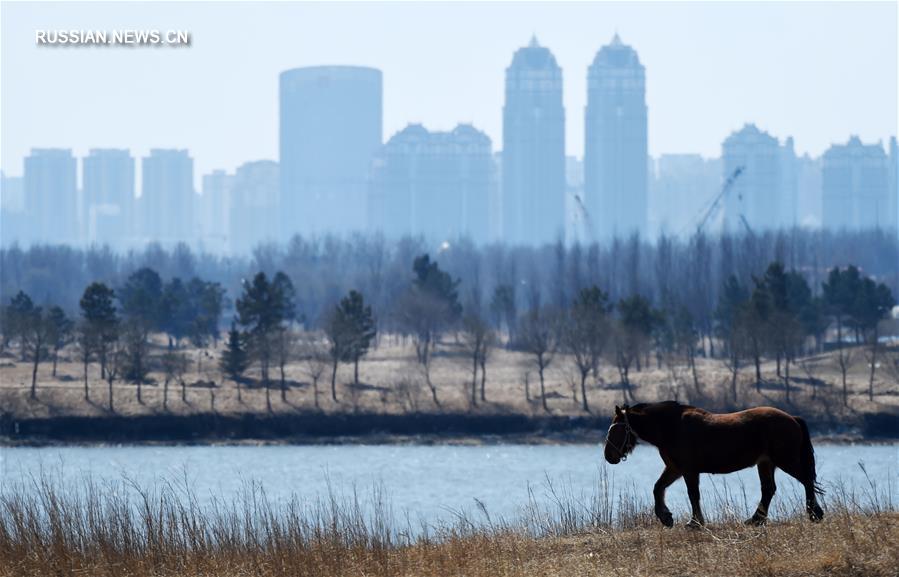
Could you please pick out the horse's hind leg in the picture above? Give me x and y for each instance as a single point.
(692, 481)
(815, 513)
(766, 476)
(814, 510)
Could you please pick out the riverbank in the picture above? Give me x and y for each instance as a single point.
(306, 427)
(96, 531)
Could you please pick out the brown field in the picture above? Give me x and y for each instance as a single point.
(95, 531)
(392, 382)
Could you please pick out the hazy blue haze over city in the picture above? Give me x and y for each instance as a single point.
(522, 123)
(816, 71)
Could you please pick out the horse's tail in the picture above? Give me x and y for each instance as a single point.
(807, 457)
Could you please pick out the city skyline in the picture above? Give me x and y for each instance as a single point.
(842, 56)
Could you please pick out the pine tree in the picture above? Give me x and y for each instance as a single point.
(234, 358)
(350, 329)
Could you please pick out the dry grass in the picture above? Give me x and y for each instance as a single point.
(100, 530)
(393, 383)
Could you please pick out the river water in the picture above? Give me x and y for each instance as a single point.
(435, 483)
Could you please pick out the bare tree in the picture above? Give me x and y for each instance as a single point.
(36, 336)
(408, 392)
(539, 335)
(809, 367)
(738, 346)
(845, 359)
(285, 350)
(486, 348)
(314, 355)
(585, 333)
(115, 363)
(631, 337)
(476, 337)
(174, 366)
(135, 347)
(424, 317)
(84, 338)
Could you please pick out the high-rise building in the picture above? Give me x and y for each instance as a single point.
(254, 205)
(495, 204)
(167, 197)
(12, 193)
(764, 196)
(615, 153)
(214, 208)
(808, 192)
(682, 188)
(51, 195)
(856, 187)
(894, 179)
(434, 184)
(578, 225)
(108, 190)
(533, 184)
(14, 224)
(330, 129)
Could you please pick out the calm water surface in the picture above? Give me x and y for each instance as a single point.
(434, 483)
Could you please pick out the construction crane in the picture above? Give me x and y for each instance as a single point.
(716, 202)
(746, 224)
(588, 222)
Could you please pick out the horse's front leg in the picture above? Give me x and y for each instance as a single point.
(692, 481)
(669, 475)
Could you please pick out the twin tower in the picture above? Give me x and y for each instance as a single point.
(330, 146)
(615, 149)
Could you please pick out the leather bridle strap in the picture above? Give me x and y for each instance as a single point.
(628, 431)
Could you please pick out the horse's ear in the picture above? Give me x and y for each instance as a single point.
(617, 410)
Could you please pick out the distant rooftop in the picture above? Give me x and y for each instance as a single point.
(617, 54)
(534, 57)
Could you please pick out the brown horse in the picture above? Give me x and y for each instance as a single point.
(693, 441)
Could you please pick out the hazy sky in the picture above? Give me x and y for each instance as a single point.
(816, 71)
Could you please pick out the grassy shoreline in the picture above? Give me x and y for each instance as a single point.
(100, 530)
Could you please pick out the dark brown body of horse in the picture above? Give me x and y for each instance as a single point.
(693, 441)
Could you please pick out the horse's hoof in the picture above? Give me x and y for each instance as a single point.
(755, 521)
(693, 524)
(816, 514)
(666, 518)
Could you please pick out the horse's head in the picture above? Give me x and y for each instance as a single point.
(621, 439)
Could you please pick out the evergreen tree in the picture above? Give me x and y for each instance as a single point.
(263, 309)
(19, 313)
(141, 299)
(101, 320)
(439, 285)
(502, 306)
(234, 361)
(176, 313)
(61, 328)
(350, 329)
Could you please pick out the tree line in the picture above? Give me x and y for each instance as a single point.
(776, 315)
(325, 269)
